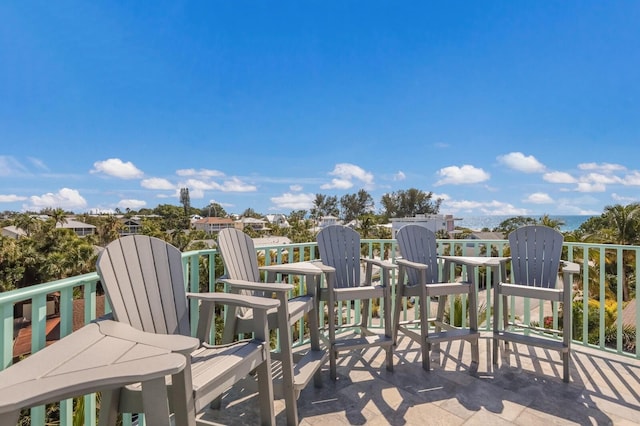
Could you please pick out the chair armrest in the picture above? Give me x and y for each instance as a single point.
(410, 264)
(260, 305)
(384, 264)
(570, 267)
(239, 300)
(251, 285)
(173, 342)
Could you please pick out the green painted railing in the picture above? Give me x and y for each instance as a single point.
(203, 267)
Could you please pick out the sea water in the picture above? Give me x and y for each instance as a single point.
(477, 223)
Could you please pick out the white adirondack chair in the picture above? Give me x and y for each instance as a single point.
(339, 248)
(144, 281)
(243, 276)
(419, 278)
(535, 259)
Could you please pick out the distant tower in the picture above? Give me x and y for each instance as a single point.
(185, 200)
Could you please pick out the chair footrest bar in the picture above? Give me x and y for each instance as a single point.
(529, 340)
(306, 367)
(454, 334)
(362, 342)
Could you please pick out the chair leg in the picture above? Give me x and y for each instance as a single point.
(397, 309)
(265, 391)
(473, 319)
(314, 331)
(109, 401)
(286, 355)
(388, 328)
(332, 341)
(424, 332)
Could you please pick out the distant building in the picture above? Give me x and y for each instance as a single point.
(130, 226)
(212, 225)
(80, 228)
(278, 219)
(253, 223)
(328, 221)
(13, 232)
(478, 235)
(433, 222)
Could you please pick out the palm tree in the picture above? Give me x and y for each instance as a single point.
(27, 223)
(551, 223)
(59, 216)
(624, 222)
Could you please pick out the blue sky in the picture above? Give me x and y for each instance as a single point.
(498, 107)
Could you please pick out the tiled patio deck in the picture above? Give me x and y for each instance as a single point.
(526, 389)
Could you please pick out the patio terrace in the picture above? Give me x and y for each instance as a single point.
(526, 388)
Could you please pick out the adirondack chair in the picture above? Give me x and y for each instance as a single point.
(243, 276)
(144, 281)
(535, 265)
(419, 278)
(339, 248)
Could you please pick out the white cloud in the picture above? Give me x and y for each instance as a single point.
(519, 161)
(67, 199)
(157, 183)
(559, 177)
(10, 166)
(600, 178)
(632, 179)
(461, 175)
(294, 201)
(590, 187)
(502, 208)
(296, 188)
(345, 174)
(602, 167)
(337, 184)
(623, 199)
(443, 197)
(489, 208)
(131, 204)
(201, 172)
(399, 176)
(236, 185)
(117, 168)
(38, 163)
(538, 198)
(10, 198)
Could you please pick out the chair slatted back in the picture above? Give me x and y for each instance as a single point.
(339, 247)
(239, 255)
(418, 244)
(144, 281)
(535, 255)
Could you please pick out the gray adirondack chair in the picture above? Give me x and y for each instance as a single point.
(419, 278)
(243, 276)
(144, 281)
(535, 265)
(339, 248)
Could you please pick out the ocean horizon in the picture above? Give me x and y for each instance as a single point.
(477, 223)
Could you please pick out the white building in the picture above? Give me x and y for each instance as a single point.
(433, 222)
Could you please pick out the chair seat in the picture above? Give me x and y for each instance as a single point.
(297, 306)
(354, 293)
(213, 370)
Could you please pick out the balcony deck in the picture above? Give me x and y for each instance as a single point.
(526, 389)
